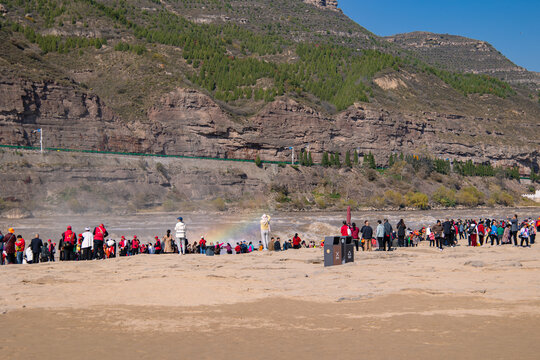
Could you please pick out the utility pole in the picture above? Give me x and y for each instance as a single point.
(292, 154)
(40, 131)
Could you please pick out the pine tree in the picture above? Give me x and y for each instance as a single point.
(348, 159)
(310, 159)
(371, 161)
(325, 162)
(337, 163)
(401, 157)
(258, 161)
(355, 157)
(391, 160)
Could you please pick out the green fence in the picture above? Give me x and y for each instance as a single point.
(20, 147)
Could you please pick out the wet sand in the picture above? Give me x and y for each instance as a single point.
(465, 303)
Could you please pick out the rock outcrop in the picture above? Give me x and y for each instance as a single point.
(325, 4)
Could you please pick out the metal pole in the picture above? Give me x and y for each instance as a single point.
(41, 139)
(292, 155)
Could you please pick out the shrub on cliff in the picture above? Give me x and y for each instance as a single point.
(394, 198)
(470, 196)
(444, 196)
(418, 200)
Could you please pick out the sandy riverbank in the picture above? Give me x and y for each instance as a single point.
(463, 302)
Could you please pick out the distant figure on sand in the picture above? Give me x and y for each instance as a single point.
(180, 230)
(265, 230)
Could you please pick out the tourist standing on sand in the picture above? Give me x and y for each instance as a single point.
(380, 235)
(100, 233)
(19, 249)
(438, 231)
(387, 235)
(367, 235)
(167, 243)
(68, 238)
(87, 243)
(180, 230)
(265, 230)
(36, 244)
(355, 233)
(514, 229)
(401, 232)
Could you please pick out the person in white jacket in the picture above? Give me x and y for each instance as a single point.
(265, 230)
(87, 244)
(180, 230)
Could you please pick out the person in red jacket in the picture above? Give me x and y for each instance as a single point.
(100, 233)
(19, 248)
(135, 245)
(345, 230)
(481, 232)
(237, 248)
(157, 246)
(69, 243)
(9, 246)
(296, 241)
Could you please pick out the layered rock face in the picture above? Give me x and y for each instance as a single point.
(465, 55)
(187, 122)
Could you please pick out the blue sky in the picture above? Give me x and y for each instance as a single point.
(513, 27)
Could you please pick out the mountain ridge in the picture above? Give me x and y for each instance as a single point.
(125, 57)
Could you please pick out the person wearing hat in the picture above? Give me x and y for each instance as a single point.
(180, 230)
(9, 246)
(265, 230)
(157, 246)
(87, 243)
(135, 245)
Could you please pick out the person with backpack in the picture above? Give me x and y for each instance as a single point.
(135, 245)
(68, 240)
(9, 246)
(44, 257)
(100, 233)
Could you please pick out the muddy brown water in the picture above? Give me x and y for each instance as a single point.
(233, 227)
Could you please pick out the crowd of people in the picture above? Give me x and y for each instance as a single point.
(95, 244)
(444, 233)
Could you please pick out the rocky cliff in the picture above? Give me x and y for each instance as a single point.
(188, 122)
